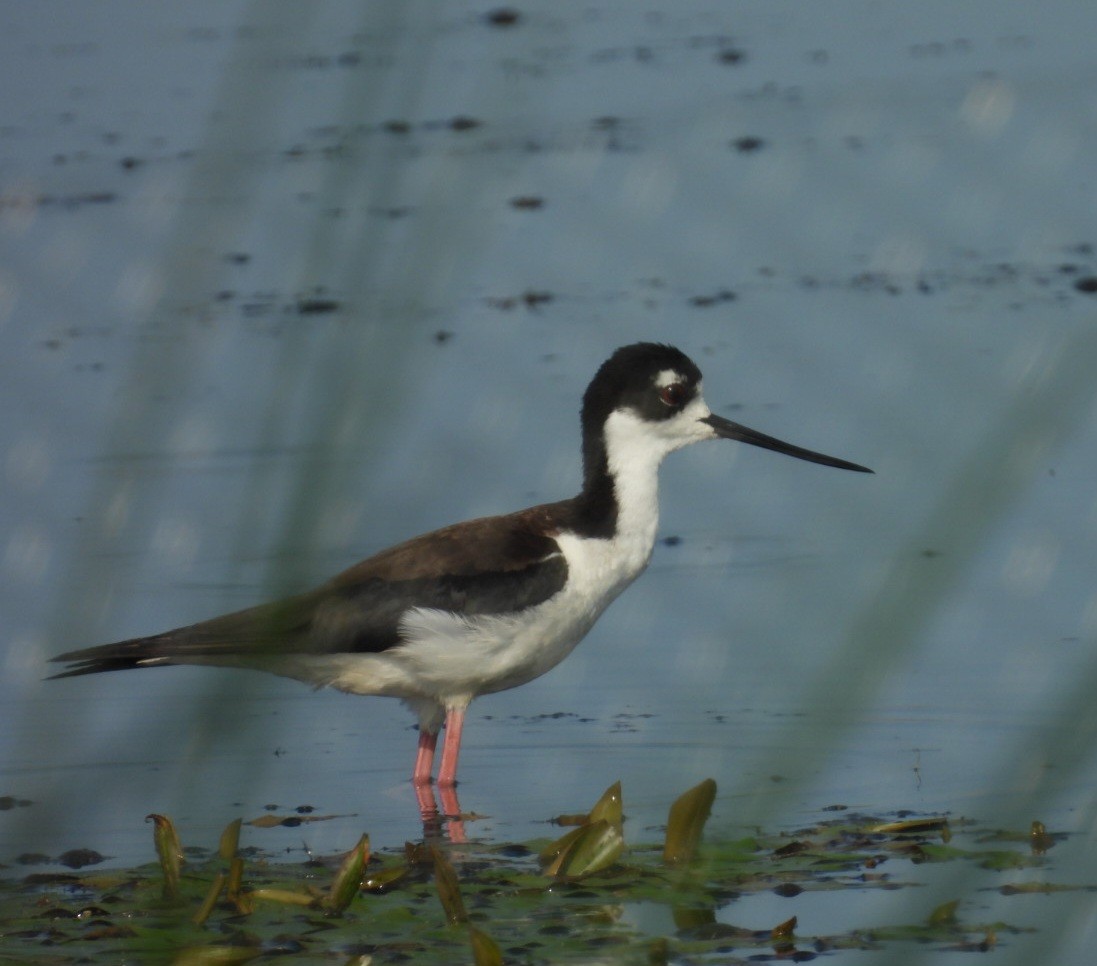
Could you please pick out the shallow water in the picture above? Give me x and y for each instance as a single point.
(271, 301)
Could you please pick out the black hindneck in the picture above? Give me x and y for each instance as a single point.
(594, 510)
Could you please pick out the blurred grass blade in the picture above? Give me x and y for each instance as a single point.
(449, 890)
(170, 852)
(485, 950)
(686, 821)
(230, 840)
(596, 847)
(348, 879)
(609, 806)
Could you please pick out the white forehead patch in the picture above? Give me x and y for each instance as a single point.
(670, 376)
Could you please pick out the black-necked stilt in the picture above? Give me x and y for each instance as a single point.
(484, 605)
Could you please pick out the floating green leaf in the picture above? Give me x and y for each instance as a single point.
(485, 950)
(910, 826)
(235, 882)
(686, 822)
(1041, 888)
(593, 848)
(214, 893)
(609, 806)
(215, 956)
(284, 896)
(1040, 839)
(563, 920)
(561, 853)
(449, 891)
(784, 930)
(291, 821)
(571, 818)
(348, 879)
(944, 914)
(551, 853)
(384, 879)
(230, 840)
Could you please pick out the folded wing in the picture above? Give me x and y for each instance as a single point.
(493, 565)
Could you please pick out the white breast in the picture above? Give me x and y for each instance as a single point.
(452, 658)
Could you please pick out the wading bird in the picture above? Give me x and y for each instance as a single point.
(484, 605)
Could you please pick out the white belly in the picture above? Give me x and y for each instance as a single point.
(450, 659)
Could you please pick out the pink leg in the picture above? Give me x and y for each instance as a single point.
(451, 810)
(455, 722)
(450, 815)
(428, 807)
(424, 757)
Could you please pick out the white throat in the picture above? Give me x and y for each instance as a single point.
(635, 448)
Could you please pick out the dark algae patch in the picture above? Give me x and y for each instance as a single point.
(580, 895)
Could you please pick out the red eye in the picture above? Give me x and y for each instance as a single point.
(674, 394)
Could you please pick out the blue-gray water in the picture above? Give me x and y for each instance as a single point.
(274, 295)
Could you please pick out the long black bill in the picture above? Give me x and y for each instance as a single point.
(726, 429)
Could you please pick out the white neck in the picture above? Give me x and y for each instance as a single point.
(633, 463)
(635, 448)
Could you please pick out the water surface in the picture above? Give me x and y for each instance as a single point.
(282, 286)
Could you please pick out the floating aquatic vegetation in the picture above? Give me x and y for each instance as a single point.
(170, 852)
(687, 820)
(230, 840)
(930, 823)
(594, 845)
(289, 821)
(348, 879)
(449, 890)
(543, 902)
(207, 906)
(485, 950)
(588, 849)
